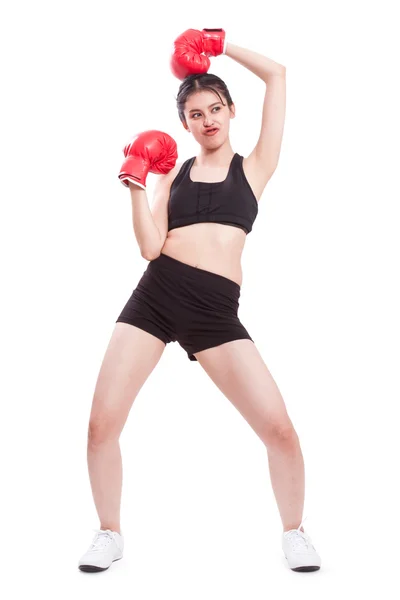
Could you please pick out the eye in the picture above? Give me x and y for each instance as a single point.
(194, 114)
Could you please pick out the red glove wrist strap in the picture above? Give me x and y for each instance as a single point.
(213, 41)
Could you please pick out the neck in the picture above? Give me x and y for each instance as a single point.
(215, 158)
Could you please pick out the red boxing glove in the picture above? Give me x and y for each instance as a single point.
(187, 57)
(192, 49)
(153, 151)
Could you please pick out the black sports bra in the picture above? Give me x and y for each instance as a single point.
(230, 202)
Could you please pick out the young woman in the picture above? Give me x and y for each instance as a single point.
(194, 238)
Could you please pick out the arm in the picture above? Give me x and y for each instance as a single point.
(265, 156)
(151, 227)
(146, 231)
(260, 65)
(150, 151)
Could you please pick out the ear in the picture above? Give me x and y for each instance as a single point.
(232, 111)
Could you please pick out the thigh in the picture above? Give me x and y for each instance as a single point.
(131, 356)
(239, 371)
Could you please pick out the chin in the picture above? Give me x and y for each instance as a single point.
(212, 143)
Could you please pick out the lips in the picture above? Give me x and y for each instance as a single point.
(210, 132)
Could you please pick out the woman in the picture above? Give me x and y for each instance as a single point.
(194, 238)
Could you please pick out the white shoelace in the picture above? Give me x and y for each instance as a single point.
(103, 539)
(299, 539)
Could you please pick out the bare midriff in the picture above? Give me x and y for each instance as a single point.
(210, 246)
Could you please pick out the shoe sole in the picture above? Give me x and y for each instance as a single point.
(94, 569)
(305, 569)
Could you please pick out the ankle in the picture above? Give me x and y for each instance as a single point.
(116, 529)
(286, 529)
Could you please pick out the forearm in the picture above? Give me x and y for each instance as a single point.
(146, 232)
(258, 64)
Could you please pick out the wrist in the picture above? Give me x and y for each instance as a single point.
(134, 186)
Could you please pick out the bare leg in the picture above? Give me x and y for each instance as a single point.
(131, 356)
(105, 472)
(239, 371)
(286, 467)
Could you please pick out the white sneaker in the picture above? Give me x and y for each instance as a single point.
(106, 547)
(299, 551)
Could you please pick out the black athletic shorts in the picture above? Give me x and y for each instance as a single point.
(177, 302)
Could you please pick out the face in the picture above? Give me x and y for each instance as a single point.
(204, 111)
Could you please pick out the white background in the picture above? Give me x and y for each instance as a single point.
(319, 297)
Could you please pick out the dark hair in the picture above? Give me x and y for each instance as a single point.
(200, 81)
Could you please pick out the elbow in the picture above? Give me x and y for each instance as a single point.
(150, 255)
(153, 251)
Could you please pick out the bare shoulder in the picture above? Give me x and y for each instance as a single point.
(256, 175)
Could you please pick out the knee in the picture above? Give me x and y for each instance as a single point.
(102, 429)
(280, 435)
